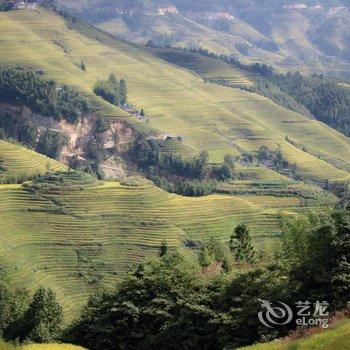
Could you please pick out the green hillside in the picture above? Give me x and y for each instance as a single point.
(18, 163)
(75, 234)
(334, 338)
(248, 30)
(219, 119)
(212, 69)
(246, 168)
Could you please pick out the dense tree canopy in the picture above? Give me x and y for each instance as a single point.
(175, 303)
(149, 308)
(315, 96)
(112, 90)
(325, 98)
(178, 301)
(42, 96)
(43, 320)
(185, 176)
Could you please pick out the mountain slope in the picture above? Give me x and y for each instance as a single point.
(220, 119)
(247, 30)
(75, 234)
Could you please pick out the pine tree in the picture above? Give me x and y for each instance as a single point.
(164, 248)
(123, 92)
(112, 79)
(205, 257)
(44, 317)
(240, 244)
(83, 66)
(230, 160)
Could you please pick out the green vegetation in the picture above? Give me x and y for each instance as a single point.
(315, 96)
(336, 337)
(12, 306)
(5, 6)
(43, 319)
(265, 87)
(194, 188)
(189, 177)
(21, 319)
(216, 254)
(112, 90)
(207, 116)
(325, 98)
(42, 96)
(51, 143)
(240, 244)
(19, 164)
(77, 235)
(95, 231)
(172, 302)
(47, 142)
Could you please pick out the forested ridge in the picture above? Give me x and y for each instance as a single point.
(324, 98)
(45, 97)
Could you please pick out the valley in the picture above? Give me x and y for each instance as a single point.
(151, 189)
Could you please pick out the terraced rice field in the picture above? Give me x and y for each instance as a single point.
(78, 237)
(18, 162)
(220, 119)
(206, 67)
(257, 173)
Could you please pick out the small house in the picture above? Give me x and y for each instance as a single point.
(20, 5)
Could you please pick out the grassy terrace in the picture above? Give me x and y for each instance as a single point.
(337, 337)
(219, 119)
(78, 234)
(206, 67)
(18, 162)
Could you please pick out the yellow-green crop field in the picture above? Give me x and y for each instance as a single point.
(217, 118)
(76, 238)
(51, 347)
(206, 67)
(18, 162)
